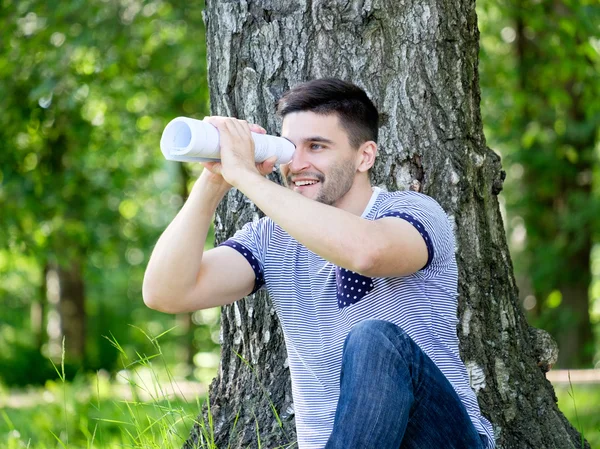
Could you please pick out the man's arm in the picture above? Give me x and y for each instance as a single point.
(173, 268)
(180, 277)
(385, 247)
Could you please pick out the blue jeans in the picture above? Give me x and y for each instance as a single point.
(393, 396)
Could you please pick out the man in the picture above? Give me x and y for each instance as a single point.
(364, 281)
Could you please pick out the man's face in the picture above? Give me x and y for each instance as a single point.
(323, 167)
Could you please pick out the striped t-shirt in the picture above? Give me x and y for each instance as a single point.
(318, 303)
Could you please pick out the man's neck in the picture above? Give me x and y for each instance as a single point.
(357, 198)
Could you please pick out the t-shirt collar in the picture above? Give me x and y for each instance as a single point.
(374, 196)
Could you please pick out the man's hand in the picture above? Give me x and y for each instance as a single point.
(237, 150)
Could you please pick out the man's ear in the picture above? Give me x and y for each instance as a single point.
(366, 155)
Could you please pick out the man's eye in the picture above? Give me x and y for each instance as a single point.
(315, 146)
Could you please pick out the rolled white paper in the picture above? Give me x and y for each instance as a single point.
(186, 139)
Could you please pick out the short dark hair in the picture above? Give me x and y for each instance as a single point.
(357, 113)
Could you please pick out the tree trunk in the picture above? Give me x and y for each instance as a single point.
(577, 340)
(67, 292)
(38, 312)
(418, 62)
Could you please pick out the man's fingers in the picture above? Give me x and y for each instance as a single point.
(241, 126)
(214, 119)
(257, 129)
(220, 122)
(267, 166)
(228, 131)
(236, 128)
(213, 167)
(217, 122)
(230, 123)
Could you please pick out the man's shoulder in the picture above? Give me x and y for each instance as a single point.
(407, 198)
(272, 231)
(407, 195)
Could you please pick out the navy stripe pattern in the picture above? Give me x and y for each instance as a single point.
(318, 303)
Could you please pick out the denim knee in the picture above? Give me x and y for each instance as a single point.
(373, 331)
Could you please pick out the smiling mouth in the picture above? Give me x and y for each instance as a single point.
(302, 185)
(305, 182)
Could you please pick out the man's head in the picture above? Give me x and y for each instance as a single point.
(334, 126)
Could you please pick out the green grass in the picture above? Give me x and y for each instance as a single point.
(88, 413)
(93, 411)
(96, 418)
(585, 399)
(68, 416)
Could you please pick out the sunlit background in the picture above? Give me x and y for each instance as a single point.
(86, 88)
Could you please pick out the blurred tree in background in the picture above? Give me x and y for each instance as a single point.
(86, 88)
(540, 63)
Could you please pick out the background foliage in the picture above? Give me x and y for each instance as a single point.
(85, 91)
(86, 88)
(539, 76)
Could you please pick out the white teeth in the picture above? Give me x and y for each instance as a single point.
(304, 183)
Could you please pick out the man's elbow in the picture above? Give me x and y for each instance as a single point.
(151, 300)
(155, 301)
(376, 265)
(365, 264)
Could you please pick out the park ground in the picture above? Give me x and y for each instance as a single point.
(150, 410)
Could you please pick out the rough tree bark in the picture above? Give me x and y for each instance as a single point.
(418, 61)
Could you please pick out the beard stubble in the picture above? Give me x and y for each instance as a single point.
(338, 183)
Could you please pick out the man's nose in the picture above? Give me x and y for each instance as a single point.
(299, 161)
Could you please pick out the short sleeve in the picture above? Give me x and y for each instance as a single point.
(428, 217)
(250, 242)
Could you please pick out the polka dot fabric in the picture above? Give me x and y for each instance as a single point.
(259, 277)
(351, 286)
(419, 227)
